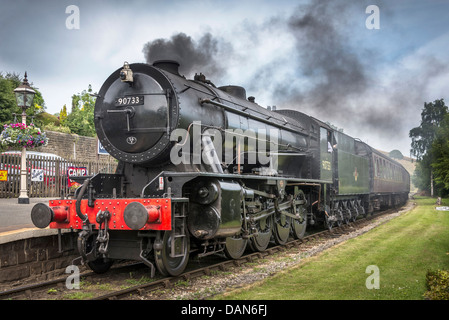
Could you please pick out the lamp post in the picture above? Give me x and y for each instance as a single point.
(24, 97)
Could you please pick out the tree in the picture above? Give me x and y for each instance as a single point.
(421, 175)
(8, 104)
(81, 119)
(63, 115)
(440, 156)
(396, 154)
(423, 137)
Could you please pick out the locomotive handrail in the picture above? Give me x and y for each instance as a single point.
(243, 113)
(194, 174)
(129, 114)
(244, 108)
(241, 135)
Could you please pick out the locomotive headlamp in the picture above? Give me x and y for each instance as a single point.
(126, 74)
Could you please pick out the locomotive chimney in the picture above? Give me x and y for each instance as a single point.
(167, 65)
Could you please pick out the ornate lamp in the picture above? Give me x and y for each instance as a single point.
(24, 97)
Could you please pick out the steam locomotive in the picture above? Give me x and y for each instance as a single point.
(205, 169)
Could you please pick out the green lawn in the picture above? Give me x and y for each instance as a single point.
(403, 250)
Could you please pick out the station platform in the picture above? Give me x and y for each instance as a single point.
(15, 220)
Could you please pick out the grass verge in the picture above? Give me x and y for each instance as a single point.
(395, 257)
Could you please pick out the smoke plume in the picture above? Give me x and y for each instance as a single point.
(325, 56)
(326, 73)
(194, 56)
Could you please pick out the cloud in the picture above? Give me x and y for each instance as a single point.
(321, 59)
(313, 56)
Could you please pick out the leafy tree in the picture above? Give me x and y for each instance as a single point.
(421, 175)
(423, 138)
(8, 104)
(81, 119)
(396, 154)
(63, 115)
(440, 156)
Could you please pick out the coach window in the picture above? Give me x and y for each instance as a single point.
(377, 167)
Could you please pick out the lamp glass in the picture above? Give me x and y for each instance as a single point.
(20, 98)
(29, 97)
(24, 97)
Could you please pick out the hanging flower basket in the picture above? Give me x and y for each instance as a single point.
(20, 135)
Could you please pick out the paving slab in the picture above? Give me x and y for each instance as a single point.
(15, 219)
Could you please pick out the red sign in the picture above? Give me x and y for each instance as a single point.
(75, 171)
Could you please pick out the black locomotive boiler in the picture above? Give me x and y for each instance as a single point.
(207, 170)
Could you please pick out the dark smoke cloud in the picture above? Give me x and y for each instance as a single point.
(326, 58)
(194, 56)
(323, 56)
(340, 79)
(345, 82)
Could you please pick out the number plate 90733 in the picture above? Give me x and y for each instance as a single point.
(129, 101)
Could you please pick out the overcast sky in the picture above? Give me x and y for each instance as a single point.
(318, 57)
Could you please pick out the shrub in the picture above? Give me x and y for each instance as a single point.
(437, 285)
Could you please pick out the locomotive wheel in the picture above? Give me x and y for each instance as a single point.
(362, 211)
(260, 241)
(347, 216)
(339, 218)
(281, 228)
(172, 266)
(355, 213)
(329, 224)
(235, 247)
(299, 228)
(100, 265)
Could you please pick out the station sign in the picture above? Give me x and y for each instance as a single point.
(75, 171)
(101, 149)
(37, 175)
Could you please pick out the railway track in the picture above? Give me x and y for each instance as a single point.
(40, 290)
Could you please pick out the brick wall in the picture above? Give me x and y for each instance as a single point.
(72, 146)
(36, 258)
